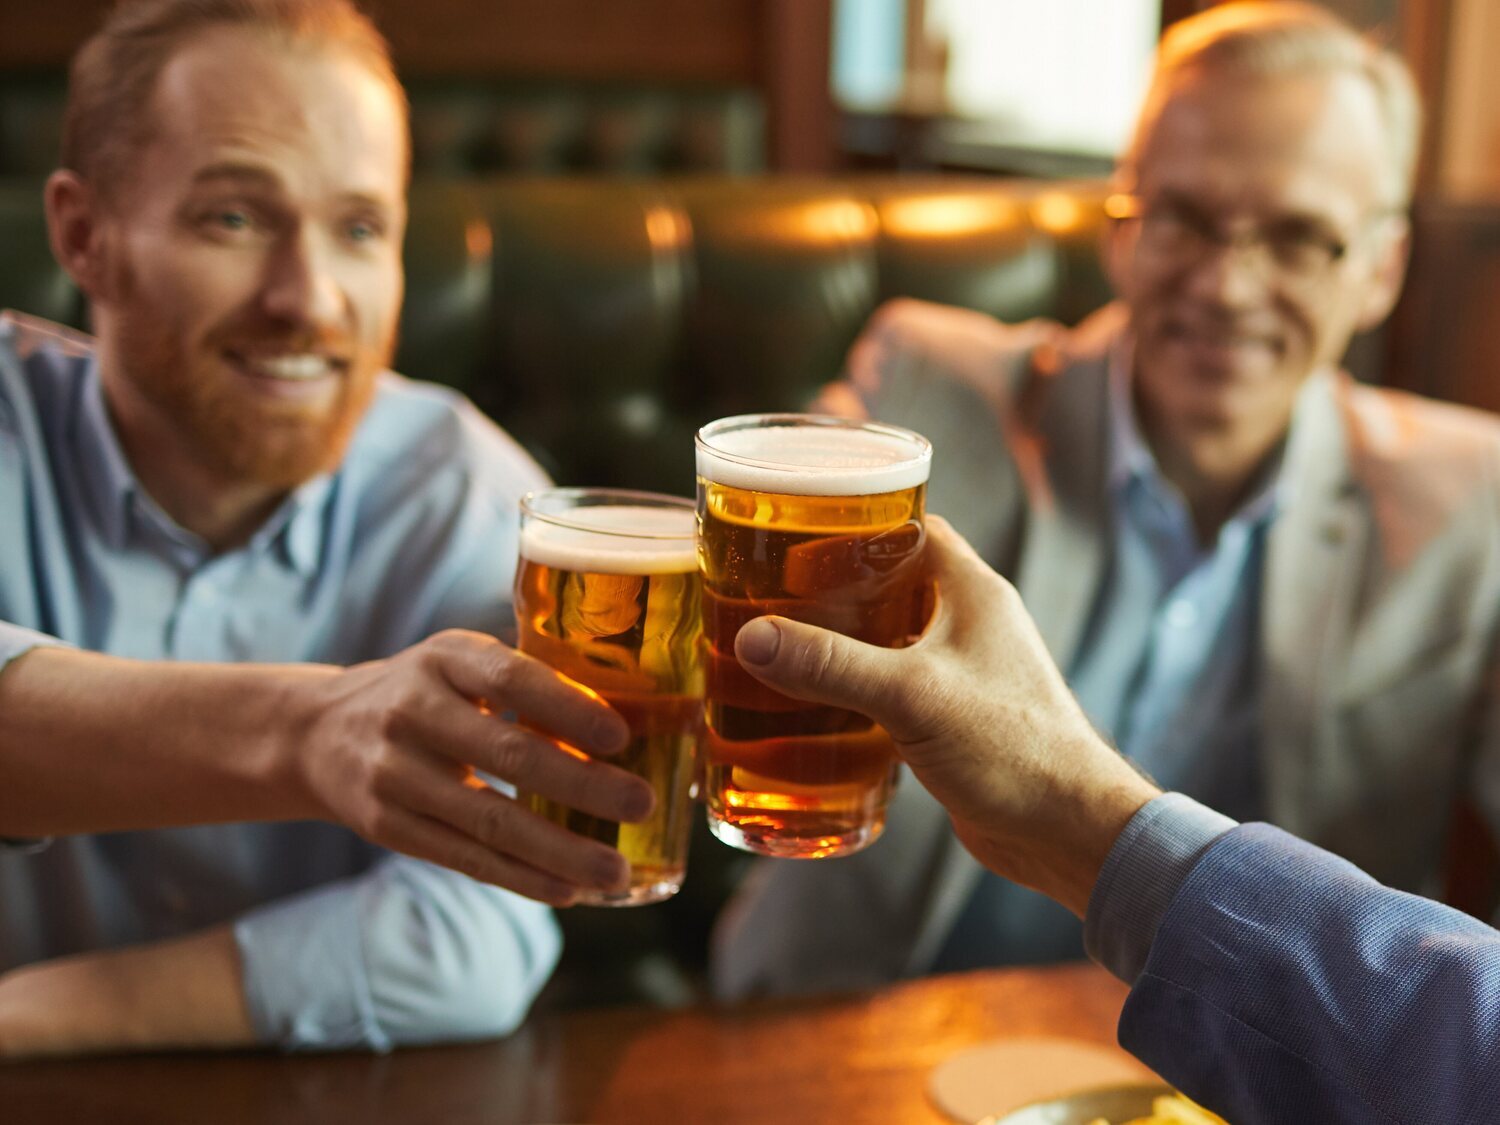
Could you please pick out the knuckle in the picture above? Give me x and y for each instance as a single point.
(504, 670)
(495, 819)
(383, 771)
(817, 662)
(509, 753)
(468, 862)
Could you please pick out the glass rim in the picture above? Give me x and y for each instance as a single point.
(609, 497)
(703, 439)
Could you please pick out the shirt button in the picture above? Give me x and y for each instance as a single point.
(1182, 614)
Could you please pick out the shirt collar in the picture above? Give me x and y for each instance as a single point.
(1131, 459)
(106, 472)
(293, 534)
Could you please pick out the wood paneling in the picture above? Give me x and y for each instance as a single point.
(1445, 336)
(662, 40)
(656, 40)
(796, 46)
(780, 47)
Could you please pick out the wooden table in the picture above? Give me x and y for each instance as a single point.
(844, 1060)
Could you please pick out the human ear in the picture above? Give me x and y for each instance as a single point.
(1387, 273)
(76, 231)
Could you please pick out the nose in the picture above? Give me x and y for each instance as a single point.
(301, 286)
(1233, 273)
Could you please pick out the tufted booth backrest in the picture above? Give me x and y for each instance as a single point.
(473, 126)
(611, 318)
(603, 320)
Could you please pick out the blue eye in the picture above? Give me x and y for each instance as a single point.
(233, 220)
(362, 232)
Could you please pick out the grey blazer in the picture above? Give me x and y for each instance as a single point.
(1380, 601)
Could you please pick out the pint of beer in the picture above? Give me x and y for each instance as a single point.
(820, 520)
(608, 594)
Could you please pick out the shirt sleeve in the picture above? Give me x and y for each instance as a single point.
(1284, 984)
(407, 953)
(16, 641)
(1140, 877)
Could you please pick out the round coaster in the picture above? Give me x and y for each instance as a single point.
(994, 1078)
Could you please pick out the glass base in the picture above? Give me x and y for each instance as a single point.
(819, 839)
(642, 895)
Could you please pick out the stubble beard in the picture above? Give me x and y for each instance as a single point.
(237, 437)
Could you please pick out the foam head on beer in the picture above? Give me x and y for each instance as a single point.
(614, 539)
(813, 456)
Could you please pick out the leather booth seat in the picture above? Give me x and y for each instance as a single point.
(603, 321)
(466, 127)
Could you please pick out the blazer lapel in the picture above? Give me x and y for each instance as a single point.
(1063, 464)
(1310, 591)
(1061, 459)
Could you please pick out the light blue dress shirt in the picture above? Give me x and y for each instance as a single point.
(1275, 982)
(1166, 669)
(342, 943)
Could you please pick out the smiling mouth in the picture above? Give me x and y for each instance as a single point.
(290, 367)
(1218, 339)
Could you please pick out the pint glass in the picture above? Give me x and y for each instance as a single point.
(608, 594)
(820, 520)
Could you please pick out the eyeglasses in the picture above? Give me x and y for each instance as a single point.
(1174, 229)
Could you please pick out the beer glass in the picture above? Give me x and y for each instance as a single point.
(817, 519)
(607, 593)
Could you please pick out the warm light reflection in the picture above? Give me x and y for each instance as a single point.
(949, 216)
(666, 229)
(1057, 213)
(837, 221)
(478, 241)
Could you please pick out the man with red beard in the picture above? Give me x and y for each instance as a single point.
(1275, 590)
(237, 562)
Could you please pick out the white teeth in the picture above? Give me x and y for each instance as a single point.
(296, 367)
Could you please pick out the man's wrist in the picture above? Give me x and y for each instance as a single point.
(293, 699)
(1091, 820)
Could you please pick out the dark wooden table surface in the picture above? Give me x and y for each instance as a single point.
(844, 1060)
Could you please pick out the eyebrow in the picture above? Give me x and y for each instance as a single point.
(252, 175)
(243, 173)
(1311, 219)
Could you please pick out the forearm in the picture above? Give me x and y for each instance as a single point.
(183, 993)
(1357, 1002)
(92, 743)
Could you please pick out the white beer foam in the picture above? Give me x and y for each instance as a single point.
(614, 539)
(812, 460)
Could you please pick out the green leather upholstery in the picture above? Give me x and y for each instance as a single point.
(30, 278)
(467, 127)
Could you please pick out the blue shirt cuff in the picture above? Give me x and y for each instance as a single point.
(16, 641)
(1140, 877)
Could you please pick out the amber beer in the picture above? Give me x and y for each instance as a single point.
(608, 594)
(820, 520)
